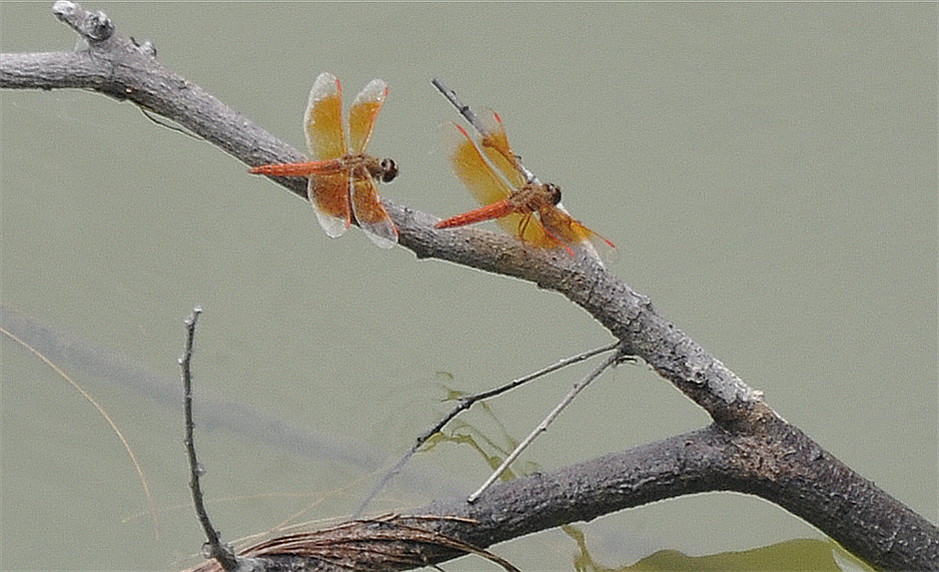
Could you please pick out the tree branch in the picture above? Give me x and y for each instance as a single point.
(749, 448)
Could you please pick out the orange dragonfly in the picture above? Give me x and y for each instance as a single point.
(342, 178)
(516, 196)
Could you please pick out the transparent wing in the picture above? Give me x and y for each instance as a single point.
(323, 119)
(370, 213)
(329, 195)
(363, 112)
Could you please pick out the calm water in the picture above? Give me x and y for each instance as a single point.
(768, 173)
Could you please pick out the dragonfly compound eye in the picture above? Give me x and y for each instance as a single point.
(554, 192)
(389, 170)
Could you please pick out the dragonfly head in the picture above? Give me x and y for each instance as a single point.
(554, 192)
(388, 170)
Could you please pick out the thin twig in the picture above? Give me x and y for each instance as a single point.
(214, 547)
(182, 131)
(477, 124)
(578, 387)
(464, 109)
(465, 403)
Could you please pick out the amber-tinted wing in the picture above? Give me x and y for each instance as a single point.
(469, 166)
(329, 195)
(495, 143)
(323, 119)
(363, 112)
(369, 211)
(488, 187)
(575, 235)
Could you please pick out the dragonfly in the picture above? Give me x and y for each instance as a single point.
(512, 195)
(342, 177)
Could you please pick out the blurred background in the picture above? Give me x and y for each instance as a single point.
(768, 173)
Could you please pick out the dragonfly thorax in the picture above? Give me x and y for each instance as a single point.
(535, 197)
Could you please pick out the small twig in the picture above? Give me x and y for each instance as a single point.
(465, 403)
(214, 547)
(464, 109)
(149, 115)
(578, 387)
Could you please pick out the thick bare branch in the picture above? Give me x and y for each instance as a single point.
(797, 475)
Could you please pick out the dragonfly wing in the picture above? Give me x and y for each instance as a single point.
(370, 213)
(487, 186)
(575, 235)
(323, 119)
(495, 144)
(474, 172)
(529, 229)
(363, 112)
(329, 195)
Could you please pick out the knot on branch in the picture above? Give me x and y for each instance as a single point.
(94, 27)
(146, 48)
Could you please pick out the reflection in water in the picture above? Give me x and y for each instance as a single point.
(212, 413)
